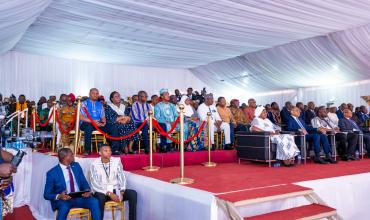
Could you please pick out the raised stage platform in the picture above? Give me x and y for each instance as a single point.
(248, 190)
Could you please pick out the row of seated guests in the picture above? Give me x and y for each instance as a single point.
(309, 111)
(119, 119)
(107, 183)
(346, 131)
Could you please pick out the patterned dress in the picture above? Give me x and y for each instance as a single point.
(286, 147)
(123, 129)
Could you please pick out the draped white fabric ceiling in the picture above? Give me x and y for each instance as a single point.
(204, 35)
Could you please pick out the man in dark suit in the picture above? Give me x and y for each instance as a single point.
(346, 124)
(340, 110)
(347, 142)
(310, 113)
(64, 178)
(303, 112)
(285, 113)
(316, 135)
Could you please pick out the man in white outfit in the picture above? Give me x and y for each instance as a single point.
(216, 121)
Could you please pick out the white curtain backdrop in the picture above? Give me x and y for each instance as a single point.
(334, 59)
(35, 75)
(337, 94)
(15, 18)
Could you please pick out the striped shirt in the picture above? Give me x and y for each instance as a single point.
(140, 111)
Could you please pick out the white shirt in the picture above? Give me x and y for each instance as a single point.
(106, 177)
(203, 109)
(66, 178)
(119, 110)
(334, 118)
(322, 123)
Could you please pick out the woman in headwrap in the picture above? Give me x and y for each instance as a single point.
(191, 121)
(286, 148)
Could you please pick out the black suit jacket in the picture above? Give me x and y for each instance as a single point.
(308, 116)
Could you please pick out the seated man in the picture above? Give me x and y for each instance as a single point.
(216, 121)
(346, 124)
(139, 112)
(238, 116)
(249, 111)
(347, 143)
(108, 182)
(96, 112)
(310, 113)
(285, 113)
(65, 178)
(332, 115)
(297, 124)
(166, 114)
(226, 117)
(341, 110)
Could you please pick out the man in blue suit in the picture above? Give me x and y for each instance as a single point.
(284, 114)
(341, 109)
(346, 124)
(317, 136)
(64, 178)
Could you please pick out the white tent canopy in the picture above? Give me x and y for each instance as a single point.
(232, 45)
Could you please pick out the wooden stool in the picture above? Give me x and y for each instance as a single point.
(115, 206)
(78, 213)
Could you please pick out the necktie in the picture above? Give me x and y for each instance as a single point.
(71, 181)
(300, 124)
(354, 125)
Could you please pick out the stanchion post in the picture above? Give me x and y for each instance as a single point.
(34, 118)
(26, 113)
(151, 168)
(77, 125)
(19, 123)
(209, 163)
(182, 180)
(54, 127)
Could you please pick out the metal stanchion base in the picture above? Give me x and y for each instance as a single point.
(182, 181)
(151, 168)
(209, 164)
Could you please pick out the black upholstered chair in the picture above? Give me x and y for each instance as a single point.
(257, 146)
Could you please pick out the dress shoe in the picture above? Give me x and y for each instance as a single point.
(330, 160)
(228, 147)
(116, 153)
(146, 151)
(320, 161)
(351, 157)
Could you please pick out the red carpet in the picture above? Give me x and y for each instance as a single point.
(240, 197)
(138, 161)
(21, 213)
(295, 213)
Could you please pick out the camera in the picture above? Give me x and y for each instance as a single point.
(17, 159)
(27, 138)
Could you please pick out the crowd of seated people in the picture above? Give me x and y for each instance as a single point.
(119, 117)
